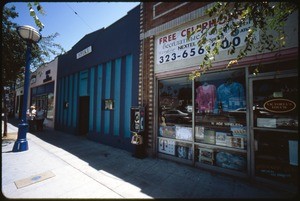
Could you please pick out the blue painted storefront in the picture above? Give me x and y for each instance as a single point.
(110, 71)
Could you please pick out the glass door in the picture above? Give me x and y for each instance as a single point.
(274, 127)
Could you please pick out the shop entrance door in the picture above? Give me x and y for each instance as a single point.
(84, 107)
(274, 128)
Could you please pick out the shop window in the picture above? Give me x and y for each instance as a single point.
(175, 118)
(220, 120)
(275, 117)
(50, 106)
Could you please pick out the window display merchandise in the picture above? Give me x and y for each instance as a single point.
(221, 129)
(219, 137)
(175, 118)
(211, 130)
(206, 97)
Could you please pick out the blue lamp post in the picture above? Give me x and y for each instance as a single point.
(30, 35)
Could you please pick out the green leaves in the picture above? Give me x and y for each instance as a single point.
(34, 15)
(267, 17)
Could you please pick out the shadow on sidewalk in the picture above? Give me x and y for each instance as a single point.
(117, 162)
(154, 177)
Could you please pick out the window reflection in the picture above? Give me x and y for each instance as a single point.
(175, 117)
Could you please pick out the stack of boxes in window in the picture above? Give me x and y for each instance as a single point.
(238, 138)
(184, 150)
(167, 146)
(206, 156)
(210, 136)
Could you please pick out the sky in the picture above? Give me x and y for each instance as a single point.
(60, 17)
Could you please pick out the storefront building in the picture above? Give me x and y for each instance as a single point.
(241, 120)
(98, 83)
(43, 89)
(19, 90)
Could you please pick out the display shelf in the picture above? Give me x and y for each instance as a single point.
(276, 130)
(177, 140)
(174, 158)
(219, 147)
(223, 170)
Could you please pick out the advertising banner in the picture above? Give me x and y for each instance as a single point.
(175, 46)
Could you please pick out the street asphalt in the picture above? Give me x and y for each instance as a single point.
(81, 168)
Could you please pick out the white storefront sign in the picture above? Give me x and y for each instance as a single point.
(175, 46)
(84, 52)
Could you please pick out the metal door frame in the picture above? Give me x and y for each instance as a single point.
(250, 121)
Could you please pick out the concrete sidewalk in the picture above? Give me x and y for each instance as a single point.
(81, 168)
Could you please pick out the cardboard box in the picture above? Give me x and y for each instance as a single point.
(167, 131)
(199, 133)
(184, 133)
(236, 142)
(231, 161)
(184, 151)
(210, 136)
(206, 154)
(221, 138)
(166, 146)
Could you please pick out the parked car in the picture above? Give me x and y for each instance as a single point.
(176, 116)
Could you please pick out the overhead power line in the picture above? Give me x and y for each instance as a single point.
(79, 16)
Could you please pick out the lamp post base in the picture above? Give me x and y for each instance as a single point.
(21, 144)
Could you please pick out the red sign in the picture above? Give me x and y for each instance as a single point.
(279, 105)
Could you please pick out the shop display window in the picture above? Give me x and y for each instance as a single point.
(50, 106)
(175, 131)
(220, 120)
(275, 119)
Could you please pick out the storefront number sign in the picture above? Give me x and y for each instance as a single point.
(175, 46)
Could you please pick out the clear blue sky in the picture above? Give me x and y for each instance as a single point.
(60, 17)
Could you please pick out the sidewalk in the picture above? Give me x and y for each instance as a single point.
(80, 168)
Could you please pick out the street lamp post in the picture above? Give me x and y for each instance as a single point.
(30, 35)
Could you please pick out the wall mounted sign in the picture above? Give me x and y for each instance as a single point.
(84, 52)
(48, 77)
(175, 46)
(280, 105)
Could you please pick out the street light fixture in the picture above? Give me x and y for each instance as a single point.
(30, 35)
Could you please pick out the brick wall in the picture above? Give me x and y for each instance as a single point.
(154, 14)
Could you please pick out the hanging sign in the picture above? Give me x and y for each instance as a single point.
(175, 46)
(279, 105)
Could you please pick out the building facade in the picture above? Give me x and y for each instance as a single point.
(43, 90)
(241, 121)
(98, 83)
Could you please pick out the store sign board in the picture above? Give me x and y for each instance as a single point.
(175, 46)
(279, 105)
(84, 52)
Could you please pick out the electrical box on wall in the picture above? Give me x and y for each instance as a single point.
(137, 119)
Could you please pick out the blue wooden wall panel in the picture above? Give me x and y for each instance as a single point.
(117, 96)
(99, 99)
(70, 100)
(128, 95)
(65, 117)
(91, 89)
(83, 91)
(59, 102)
(107, 96)
(75, 99)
